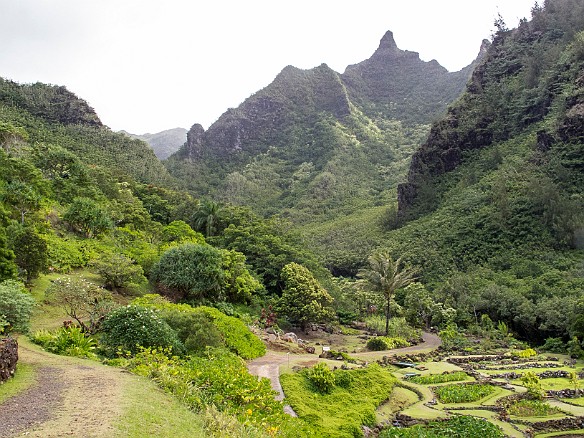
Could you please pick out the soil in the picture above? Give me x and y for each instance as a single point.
(70, 397)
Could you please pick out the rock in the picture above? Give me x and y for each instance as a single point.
(290, 337)
(8, 358)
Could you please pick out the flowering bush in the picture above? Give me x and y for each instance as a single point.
(131, 327)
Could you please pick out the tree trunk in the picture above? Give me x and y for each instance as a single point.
(387, 316)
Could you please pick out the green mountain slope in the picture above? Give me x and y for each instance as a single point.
(493, 209)
(316, 145)
(164, 143)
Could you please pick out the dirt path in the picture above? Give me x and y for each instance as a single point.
(268, 366)
(71, 397)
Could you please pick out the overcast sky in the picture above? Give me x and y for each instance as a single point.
(150, 65)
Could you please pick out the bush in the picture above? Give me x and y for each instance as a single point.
(531, 382)
(462, 426)
(554, 345)
(16, 306)
(67, 341)
(528, 352)
(195, 330)
(321, 378)
(118, 271)
(236, 336)
(380, 343)
(398, 328)
(132, 327)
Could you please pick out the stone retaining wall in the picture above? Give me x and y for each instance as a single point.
(8, 358)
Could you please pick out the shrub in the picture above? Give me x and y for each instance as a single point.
(118, 271)
(464, 393)
(195, 330)
(528, 352)
(321, 378)
(132, 327)
(16, 306)
(398, 328)
(380, 343)
(343, 378)
(67, 341)
(236, 336)
(531, 382)
(190, 271)
(554, 345)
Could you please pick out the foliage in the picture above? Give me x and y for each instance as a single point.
(398, 328)
(303, 300)
(67, 341)
(460, 426)
(462, 393)
(7, 266)
(180, 232)
(87, 303)
(16, 306)
(190, 271)
(195, 330)
(87, 217)
(430, 379)
(452, 338)
(574, 348)
(118, 271)
(322, 378)
(30, 250)
(531, 408)
(531, 382)
(219, 379)
(130, 328)
(528, 352)
(385, 276)
(236, 336)
(379, 343)
(342, 411)
(554, 345)
(238, 284)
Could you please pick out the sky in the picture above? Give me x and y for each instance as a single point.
(150, 65)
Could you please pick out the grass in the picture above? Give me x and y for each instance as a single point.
(341, 412)
(532, 408)
(24, 377)
(148, 411)
(429, 379)
(399, 399)
(576, 401)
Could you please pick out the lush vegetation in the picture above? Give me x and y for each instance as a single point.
(338, 402)
(457, 427)
(462, 393)
(431, 379)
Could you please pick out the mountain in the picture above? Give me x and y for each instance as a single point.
(164, 143)
(317, 144)
(492, 212)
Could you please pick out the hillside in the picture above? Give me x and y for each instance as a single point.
(492, 211)
(315, 144)
(164, 143)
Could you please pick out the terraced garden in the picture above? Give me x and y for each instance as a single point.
(534, 397)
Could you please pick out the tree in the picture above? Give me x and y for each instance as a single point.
(118, 271)
(190, 271)
(87, 217)
(205, 218)
(16, 305)
(85, 302)
(385, 276)
(22, 196)
(303, 300)
(238, 284)
(30, 250)
(7, 266)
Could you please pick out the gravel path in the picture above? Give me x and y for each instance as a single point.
(71, 397)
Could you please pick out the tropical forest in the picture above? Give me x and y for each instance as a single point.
(392, 251)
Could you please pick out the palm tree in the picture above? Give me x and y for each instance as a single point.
(385, 276)
(205, 218)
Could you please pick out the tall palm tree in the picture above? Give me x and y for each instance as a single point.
(205, 218)
(385, 275)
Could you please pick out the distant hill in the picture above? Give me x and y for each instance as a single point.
(164, 143)
(315, 143)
